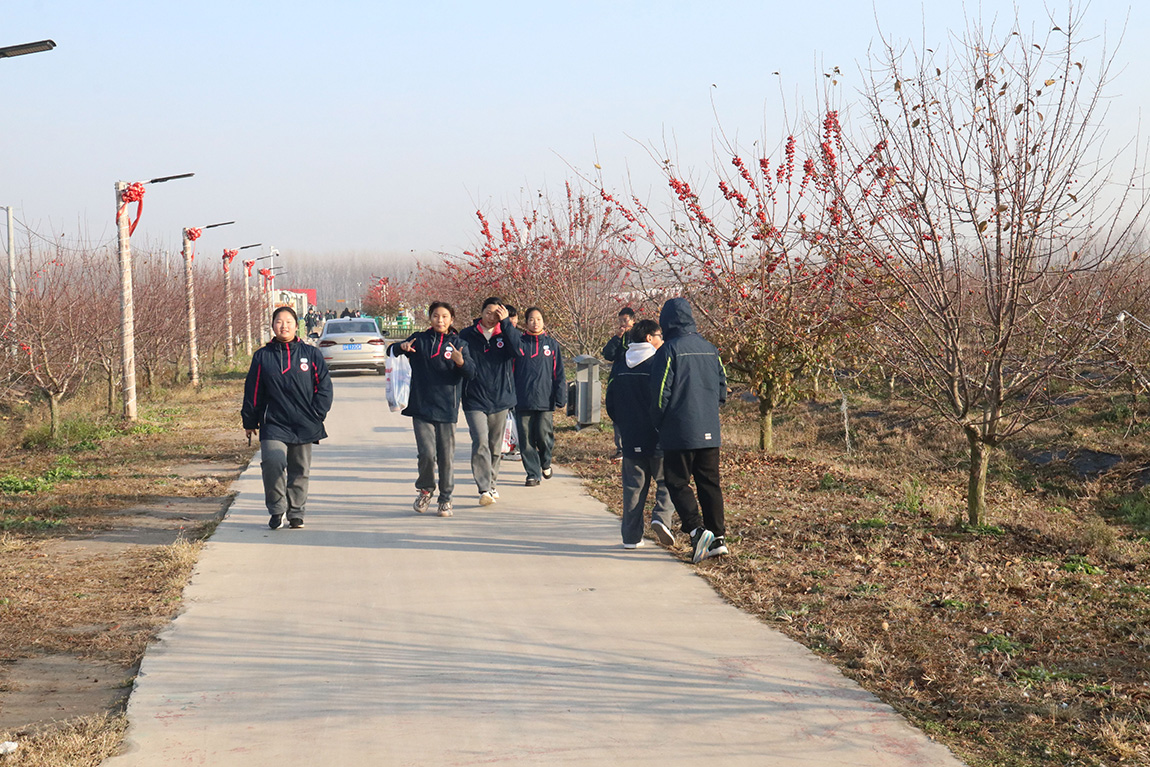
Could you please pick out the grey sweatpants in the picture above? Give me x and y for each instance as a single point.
(285, 468)
(639, 471)
(486, 440)
(435, 448)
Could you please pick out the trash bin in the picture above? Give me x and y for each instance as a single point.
(585, 395)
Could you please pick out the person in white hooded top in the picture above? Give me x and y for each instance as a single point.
(629, 405)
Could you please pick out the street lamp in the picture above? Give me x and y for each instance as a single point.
(19, 50)
(190, 235)
(7, 53)
(127, 193)
(229, 255)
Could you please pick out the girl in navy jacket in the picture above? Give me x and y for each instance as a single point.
(540, 388)
(440, 361)
(287, 395)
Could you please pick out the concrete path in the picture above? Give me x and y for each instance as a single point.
(520, 633)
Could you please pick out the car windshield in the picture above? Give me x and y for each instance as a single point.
(350, 327)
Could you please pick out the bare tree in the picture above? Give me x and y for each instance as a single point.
(55, 314)
(982, 211)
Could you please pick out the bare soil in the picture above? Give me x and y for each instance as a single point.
(98, 536)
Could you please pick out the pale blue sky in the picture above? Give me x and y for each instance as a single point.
(381, 126)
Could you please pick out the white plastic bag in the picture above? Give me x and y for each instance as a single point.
(510, 434)
(398, 381)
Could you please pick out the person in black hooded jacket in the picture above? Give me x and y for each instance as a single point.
(688, 383)
(287, 396)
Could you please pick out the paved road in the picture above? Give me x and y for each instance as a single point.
(516, 634)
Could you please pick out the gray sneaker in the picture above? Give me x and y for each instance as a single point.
(422, 501)
(445, 509)
(700, 541)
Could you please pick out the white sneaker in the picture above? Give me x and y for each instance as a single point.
(486, 498)
(632, 545)
(495, 493)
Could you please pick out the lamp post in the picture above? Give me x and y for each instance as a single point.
(11, 275)
(248, 305)
(127, 193)
(229, 256)
(8, 52)
(265, 295)
(190, 235)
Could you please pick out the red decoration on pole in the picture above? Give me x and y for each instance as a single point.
(133, 193)
(248, 266)
(267, 275)
(193, 235)
(229, 256)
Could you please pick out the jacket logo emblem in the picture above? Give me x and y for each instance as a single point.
(546, 352)
(303, 364)
(499, 344)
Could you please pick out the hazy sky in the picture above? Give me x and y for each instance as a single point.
(382, 126)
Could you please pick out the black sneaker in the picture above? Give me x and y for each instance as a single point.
(717, 548)
(662, 533)
(700, 541)
(295, 524)
(547, 473)
(531, 482)
(276, 521)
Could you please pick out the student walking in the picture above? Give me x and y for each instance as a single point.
(489, 394)
(688, 384)
(629, 405)
(612, 351)
(540, 388)
(440, 362)
(287, 395)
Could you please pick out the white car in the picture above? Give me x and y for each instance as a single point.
(353, 343)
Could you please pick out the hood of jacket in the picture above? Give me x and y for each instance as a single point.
(677, 319)
(639, 353)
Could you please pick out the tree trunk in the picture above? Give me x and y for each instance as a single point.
(976, 485)
(54, 412)
(766, 425)
(110, 377)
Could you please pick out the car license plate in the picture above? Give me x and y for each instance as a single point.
(352, 347)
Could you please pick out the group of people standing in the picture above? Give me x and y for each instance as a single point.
(664, 392)
(492, 370)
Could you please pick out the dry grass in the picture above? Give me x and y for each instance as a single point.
(82, 742)
(67, 591)
(1022, 643)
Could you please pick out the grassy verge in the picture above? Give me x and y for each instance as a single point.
(1023, 642)
(75, 579)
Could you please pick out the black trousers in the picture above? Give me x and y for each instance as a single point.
(679, 467)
